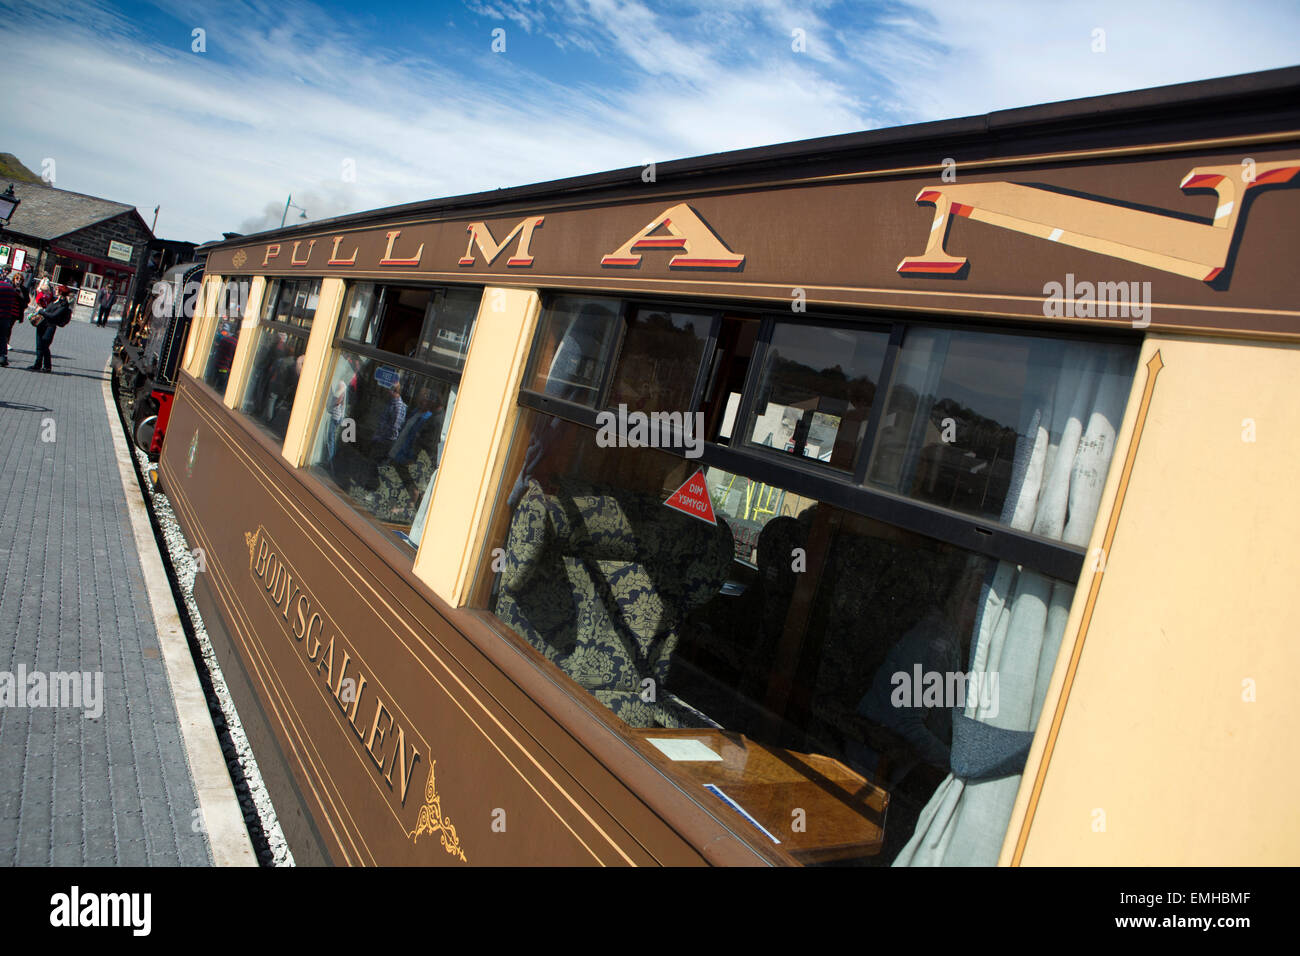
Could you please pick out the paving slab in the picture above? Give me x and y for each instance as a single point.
(103, 779)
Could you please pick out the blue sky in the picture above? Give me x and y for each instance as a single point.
(352, 106)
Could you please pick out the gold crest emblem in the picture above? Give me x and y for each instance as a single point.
(239, 258)
(432, 821)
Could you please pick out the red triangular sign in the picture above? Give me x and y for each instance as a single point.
(692, 498)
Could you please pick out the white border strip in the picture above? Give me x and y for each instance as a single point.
(223, 817)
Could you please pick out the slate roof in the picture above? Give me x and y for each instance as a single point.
(47, 213)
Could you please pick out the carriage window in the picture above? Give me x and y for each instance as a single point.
(225, 339)
(292, 302)
(816, 391)
(278, 352)
(431, 326)
(826, 659)
(391, 392)
(784, 663)
(659, 360)
(968, 412)
(573, 348)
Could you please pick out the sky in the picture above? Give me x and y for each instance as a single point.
(219, 112)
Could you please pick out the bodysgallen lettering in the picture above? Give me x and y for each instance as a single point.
(332, 661)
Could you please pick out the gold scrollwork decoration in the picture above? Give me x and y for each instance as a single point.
(250, 538)
(431, 820)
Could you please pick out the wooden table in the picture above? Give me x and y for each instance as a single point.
(843, 813)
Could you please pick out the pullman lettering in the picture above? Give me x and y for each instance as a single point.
(327, 655)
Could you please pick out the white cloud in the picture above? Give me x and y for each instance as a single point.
(942, 59)
(287, 93)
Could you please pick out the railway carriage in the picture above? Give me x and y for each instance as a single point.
(912, 497)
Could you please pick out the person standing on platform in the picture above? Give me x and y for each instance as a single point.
(11, 311)
(107, 295)
(17, 280)
(51, 318)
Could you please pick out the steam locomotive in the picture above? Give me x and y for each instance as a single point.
(147, 353)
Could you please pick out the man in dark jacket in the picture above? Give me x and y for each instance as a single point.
(106, 297)
(11, 311)
(53, 317)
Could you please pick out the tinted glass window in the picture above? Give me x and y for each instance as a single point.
(428, 325)
(782, 658)
(292, 302)
(273, 380)
(969, 413)
(816, 391)
(728, 369)
(573, 349)
(659, 360)
(277, 356)
(230, 310)
(380, 439)
(385, 417)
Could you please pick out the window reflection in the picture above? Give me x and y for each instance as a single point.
(817, 388)
(225, 339)
(428, 325)
(273, 381)
(278, 355)
(574, 345)
(968, 413)
(392, 388)
(659, 360)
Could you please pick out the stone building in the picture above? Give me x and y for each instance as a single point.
(71, 236)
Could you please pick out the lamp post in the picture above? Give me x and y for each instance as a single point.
(287, 203)
(8, 203)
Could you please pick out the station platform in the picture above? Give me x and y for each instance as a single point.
(108, 756)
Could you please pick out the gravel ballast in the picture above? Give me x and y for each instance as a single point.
(259, 815)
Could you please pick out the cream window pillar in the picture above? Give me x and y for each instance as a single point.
(313, 378)
(243, 360)
(478, 440)
(196, 353)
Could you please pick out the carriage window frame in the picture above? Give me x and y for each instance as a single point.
(222, 314)
(407, 363)
(992, 542)
(811, 478)
(267, 323)
(746, 414)
(340, 343)
(626, 308)
(271, 303)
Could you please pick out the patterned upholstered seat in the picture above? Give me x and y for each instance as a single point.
(600, 581)
(872, 591)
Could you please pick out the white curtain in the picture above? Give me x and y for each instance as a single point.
(1076, 397)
